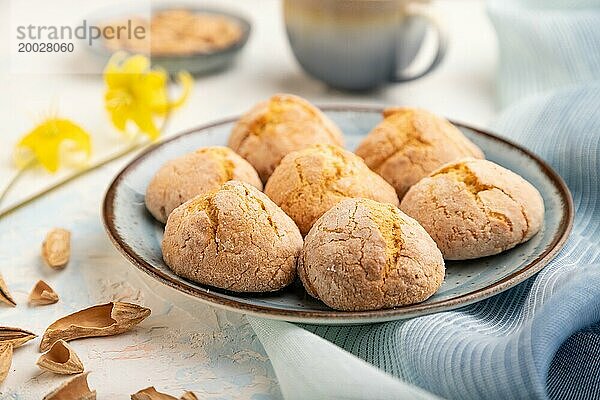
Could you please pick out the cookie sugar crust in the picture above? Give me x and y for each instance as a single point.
(195, 173)
(366, 255)
(410, 143)
(309, 182)
(278, 126)
(233, 238)
(475, 208)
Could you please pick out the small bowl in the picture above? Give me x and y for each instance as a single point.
(197, 63)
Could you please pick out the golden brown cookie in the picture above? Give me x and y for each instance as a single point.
(366, 255)
(410, 143)
(309, 182)
(278, 126)
(233, 238)
(474, 208)
(195, 173)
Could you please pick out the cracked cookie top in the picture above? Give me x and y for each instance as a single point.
(309, 182)
(366, 255)
(233, 238)
(195, 173)
(475, 208)
(410, 143)
(278, 126)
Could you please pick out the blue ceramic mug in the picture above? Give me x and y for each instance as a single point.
(361, 44)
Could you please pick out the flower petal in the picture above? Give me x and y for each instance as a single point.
(136, 64)
(119, 120)
(118, 103)
(153, 91)
(143, 119)
(137, 93)
(44, 141)
(113, 75)
(186, 81)
(74, 133)
(47, 153)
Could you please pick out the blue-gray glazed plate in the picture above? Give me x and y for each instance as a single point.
(138, 236)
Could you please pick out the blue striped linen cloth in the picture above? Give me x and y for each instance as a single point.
(540, 339)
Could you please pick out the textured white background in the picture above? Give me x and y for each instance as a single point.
(184, 344)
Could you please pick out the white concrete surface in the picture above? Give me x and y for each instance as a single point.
(183, 345)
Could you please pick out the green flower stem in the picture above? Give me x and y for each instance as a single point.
(64, 181)
(136, 144)
(14, 179)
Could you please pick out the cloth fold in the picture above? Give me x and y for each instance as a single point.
(540, 339)
(544, 45)
(347, 377)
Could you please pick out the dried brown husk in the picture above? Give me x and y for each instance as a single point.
(101, 320)
(74, 389)
(15, 336)
(42, 294)
(56, 249)
(6, 350)
(5, 296)
(150, 393)
(61, 359)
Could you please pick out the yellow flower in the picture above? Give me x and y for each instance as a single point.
(137, 93)
(45, 143)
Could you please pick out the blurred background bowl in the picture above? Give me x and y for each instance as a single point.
(198, 63)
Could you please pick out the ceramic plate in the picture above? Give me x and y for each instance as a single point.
(138, 236)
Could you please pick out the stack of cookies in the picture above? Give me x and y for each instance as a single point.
(362, 231)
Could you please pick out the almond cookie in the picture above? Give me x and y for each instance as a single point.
(195, 173)
(365, 255)
(278, 126)
(233, 238)
(475, 208)
(309, 182)
(410, 143)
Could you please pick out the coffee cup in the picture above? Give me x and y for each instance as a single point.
(362, 44)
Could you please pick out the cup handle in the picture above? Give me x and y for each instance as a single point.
(442, 44)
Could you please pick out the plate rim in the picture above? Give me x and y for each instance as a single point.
(334, 316)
